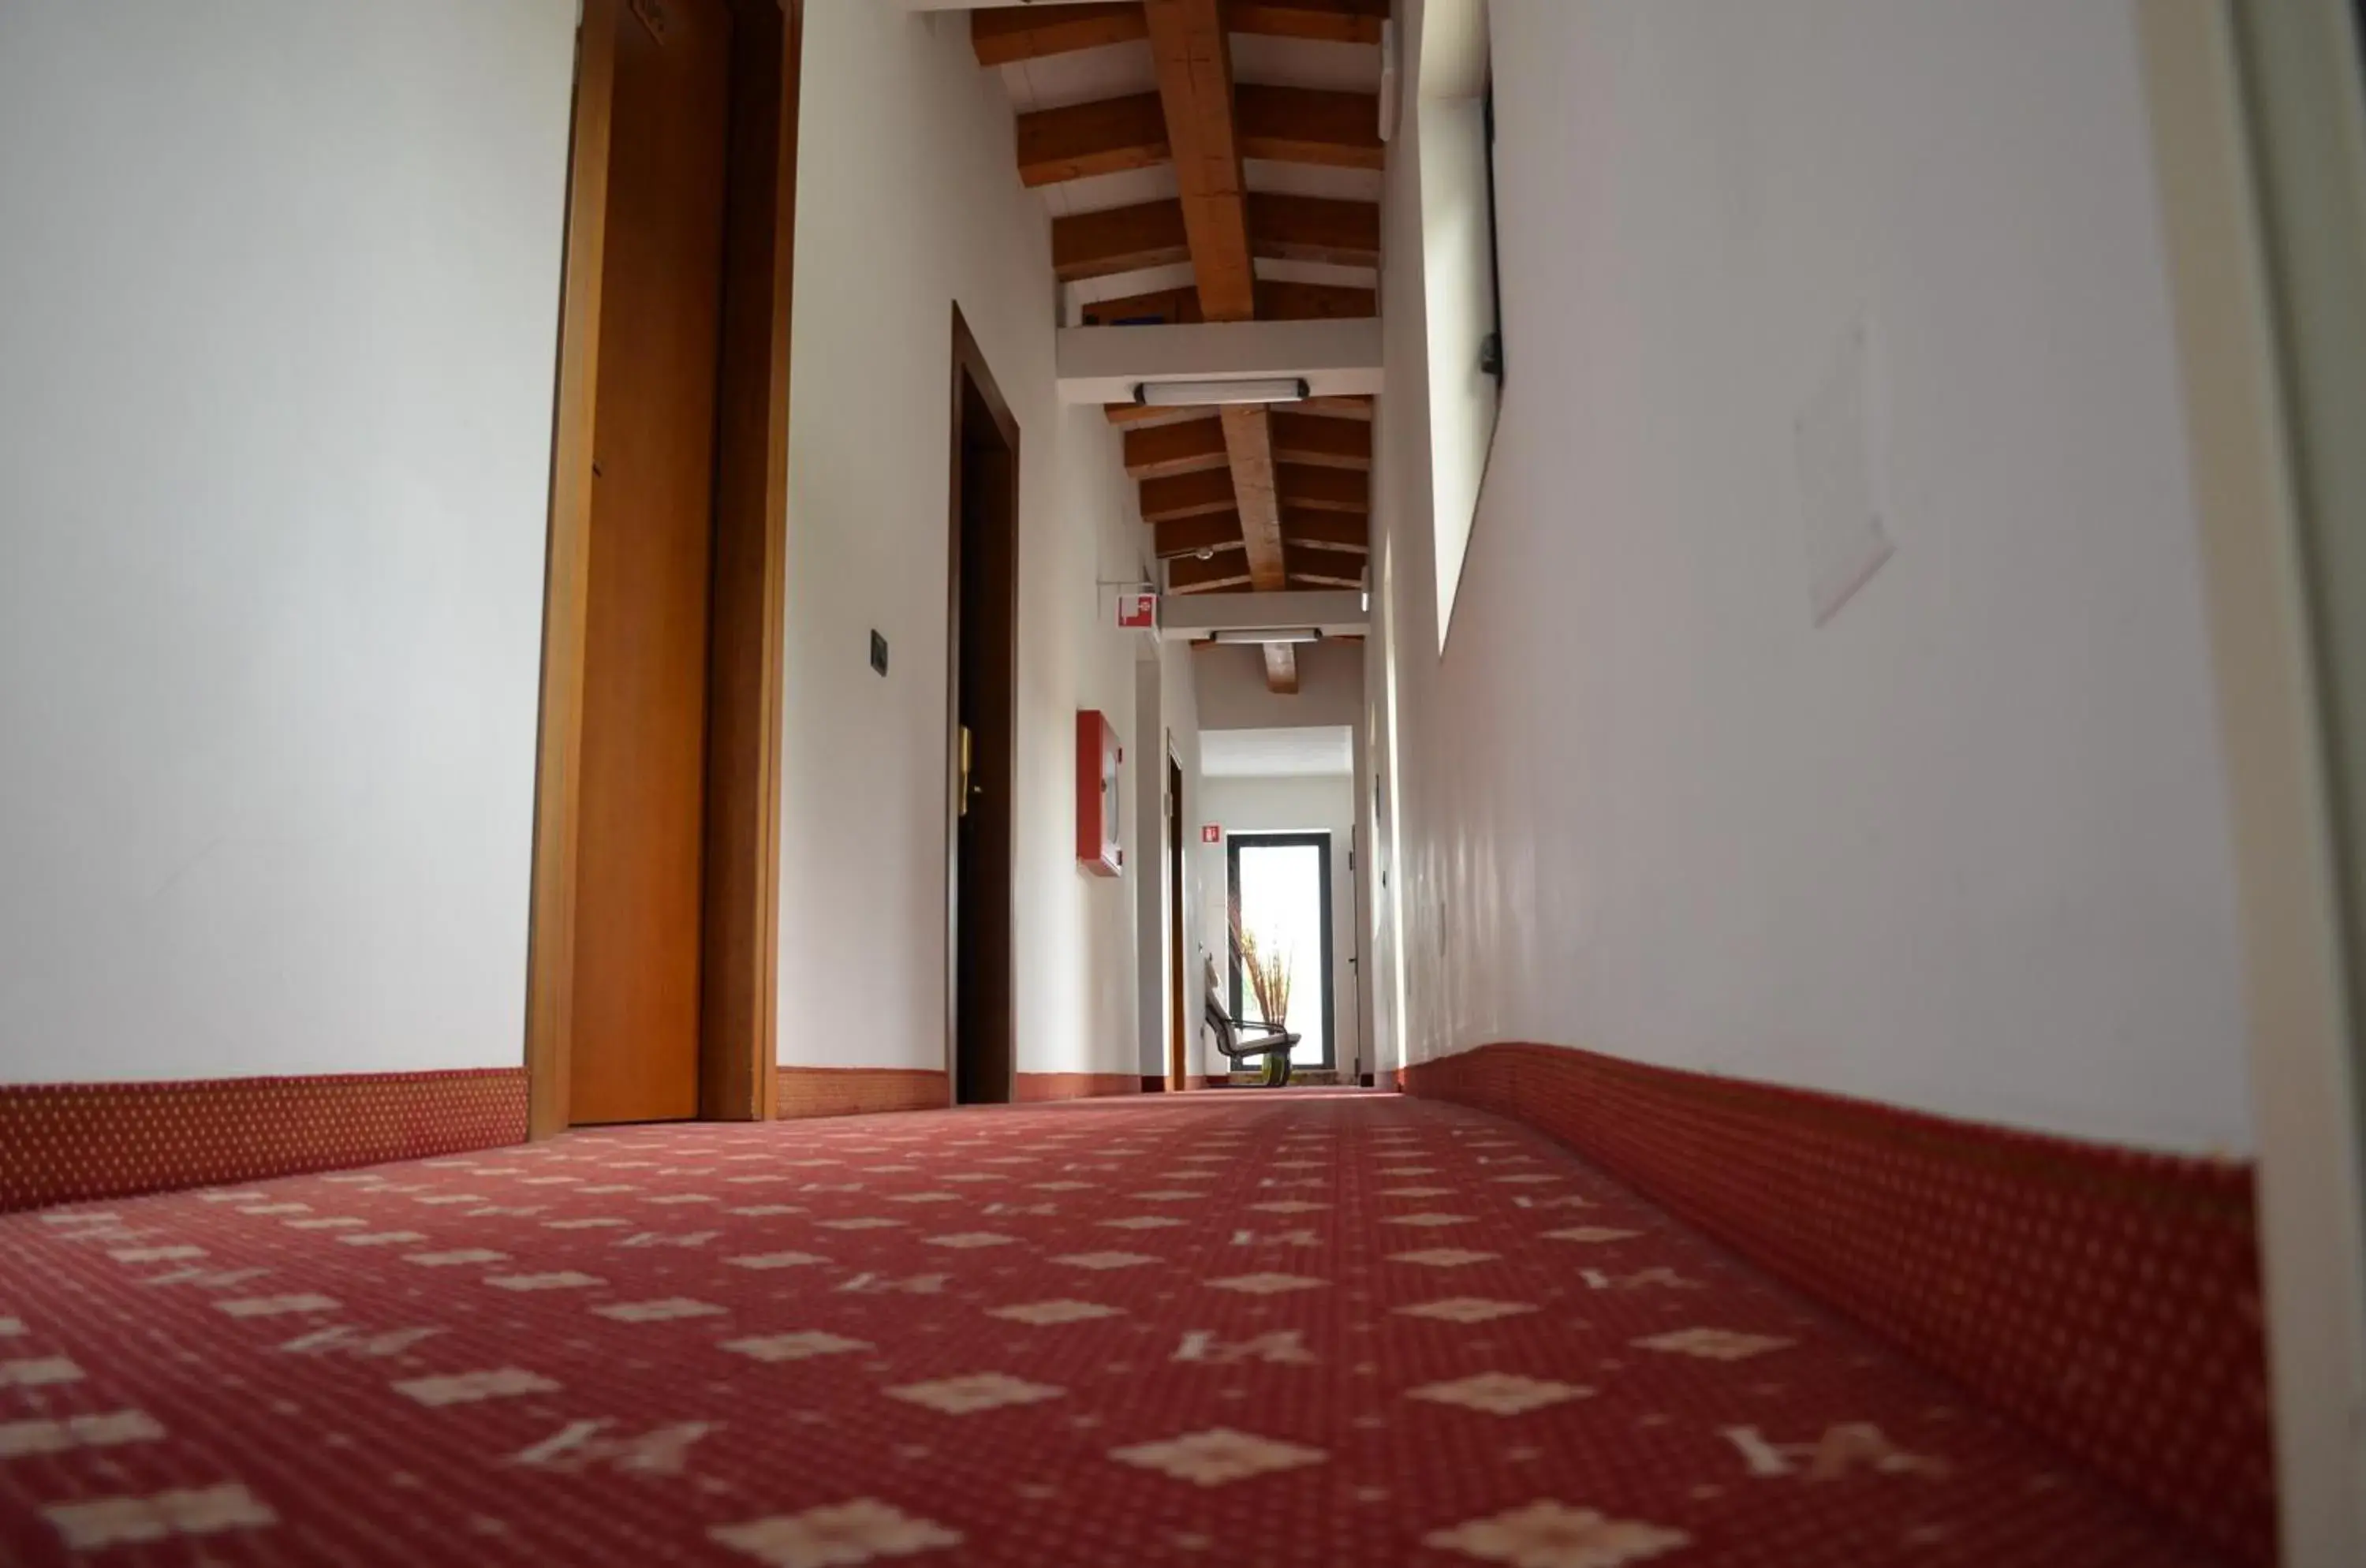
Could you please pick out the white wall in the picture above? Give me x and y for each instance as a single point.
(274, 456)
(908, 200)
(1233, 694)
(1318, 804)
(1964, 846)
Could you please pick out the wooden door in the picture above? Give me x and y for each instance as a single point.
(636, 1052)
(1182, 1005)
(983, 679)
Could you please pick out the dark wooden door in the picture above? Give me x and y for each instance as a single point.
(1182, 1006)
(985, 678)
(637, 971)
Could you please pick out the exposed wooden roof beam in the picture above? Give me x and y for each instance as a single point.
(1193, 53)
(1212, 532)
(1106, 136)
(1158, 234)
(1170, 307)
(1315, 229)
(1277, 300)
(1282, 668)
(1192, 575)
(1189, 495)
(1323, 490)
(1281, 300)
(1194, 57)
(1308, 125)
(1248, 434)
(1120, 239)
(1326, 21)
(1324, 443)
(1166, 449)
(1303, 530)
(1320, 578)
(1006, 36)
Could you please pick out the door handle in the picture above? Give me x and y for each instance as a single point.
(967, 788)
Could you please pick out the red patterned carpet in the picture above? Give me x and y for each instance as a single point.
(1227, 1329)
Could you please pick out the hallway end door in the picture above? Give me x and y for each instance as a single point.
(1281, 892)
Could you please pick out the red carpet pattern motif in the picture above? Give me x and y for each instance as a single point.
(1230, 1329)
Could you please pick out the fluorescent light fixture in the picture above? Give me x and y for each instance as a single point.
(1268, 634)
(1191, 394)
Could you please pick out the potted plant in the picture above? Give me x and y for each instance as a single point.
(1265, 970)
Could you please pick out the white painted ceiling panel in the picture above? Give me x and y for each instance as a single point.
(1309, 751)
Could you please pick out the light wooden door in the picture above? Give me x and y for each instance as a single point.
(638, 934)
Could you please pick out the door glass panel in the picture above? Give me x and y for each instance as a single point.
(1280, 888)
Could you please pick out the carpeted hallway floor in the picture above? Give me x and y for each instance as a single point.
(1227, 1329)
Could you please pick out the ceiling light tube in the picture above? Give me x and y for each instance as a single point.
(1191, 394)
(1268, 634)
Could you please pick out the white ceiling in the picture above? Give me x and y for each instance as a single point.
(1307, 751)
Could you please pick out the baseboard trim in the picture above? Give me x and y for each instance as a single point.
(75, 1143)
(2107, 1297)
(1035, 1087)
(861, 1091)
(1157, 1084)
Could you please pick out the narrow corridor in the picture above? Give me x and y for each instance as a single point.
(1299, 1328)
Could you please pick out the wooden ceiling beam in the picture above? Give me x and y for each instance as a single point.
(1282, 668)
(1120, 239)
(1166, 449)
(1248, 435)
(1190, 496)
(1213, 533)
(1277, 300)
(1009, 35)
(1281, 300)
(1006, 36)
(1323, 490)
(1193, 54)
(1108, 135)
(1342, 531)
(1314, 229)
(1357, 406)
(1325, 21)
(1189, 574)
(1324, 443)
(1309, 125)
(1165, 307)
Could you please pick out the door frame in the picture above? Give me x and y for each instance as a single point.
(970, 370)
(739, 897)
(2259, 111)
(1321, 841)
(1177, 910)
